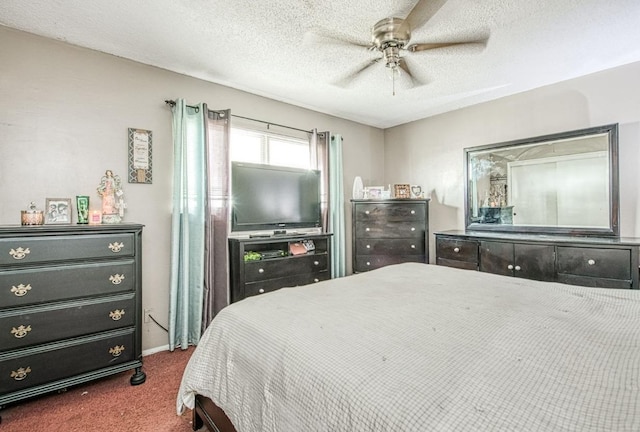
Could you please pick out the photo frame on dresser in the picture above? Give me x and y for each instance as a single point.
(57, 211)
(373, 192)
(402, 190)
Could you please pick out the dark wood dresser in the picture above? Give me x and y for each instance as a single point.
(388, 232)
(273, 266)
(70, 306)
(607, 262)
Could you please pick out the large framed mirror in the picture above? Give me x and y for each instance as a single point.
(565, 183)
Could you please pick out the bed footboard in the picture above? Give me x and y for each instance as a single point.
(206, 413)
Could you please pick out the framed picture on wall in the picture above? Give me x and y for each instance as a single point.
(57, 211)
(140, 156)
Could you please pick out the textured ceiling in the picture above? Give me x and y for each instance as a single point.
(273, 48)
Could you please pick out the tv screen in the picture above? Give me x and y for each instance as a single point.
(269, 197)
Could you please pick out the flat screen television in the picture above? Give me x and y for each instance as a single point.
(269, 197)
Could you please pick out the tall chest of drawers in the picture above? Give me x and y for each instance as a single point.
(70, 306)
(388, 232)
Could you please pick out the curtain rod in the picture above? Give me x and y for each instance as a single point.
(173, 103)
(271, 124)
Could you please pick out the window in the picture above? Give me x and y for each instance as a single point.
(269, 148)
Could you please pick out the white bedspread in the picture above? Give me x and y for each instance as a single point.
(418, 347)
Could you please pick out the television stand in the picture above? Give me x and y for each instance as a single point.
(258, 276)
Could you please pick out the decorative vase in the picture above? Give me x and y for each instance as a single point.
(358, 188)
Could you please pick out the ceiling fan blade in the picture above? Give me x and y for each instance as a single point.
(415, 81)
(429, 46)
(324, 38)
(346, 80)
(420, 14)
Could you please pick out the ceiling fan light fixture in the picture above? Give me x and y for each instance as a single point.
(391, 56)
(392, 61)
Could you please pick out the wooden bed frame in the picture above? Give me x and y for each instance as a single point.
(206, 413)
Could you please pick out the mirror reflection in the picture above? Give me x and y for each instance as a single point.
(558, 183)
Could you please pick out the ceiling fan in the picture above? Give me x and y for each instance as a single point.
(391, 37)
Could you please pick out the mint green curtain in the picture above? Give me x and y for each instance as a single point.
(188, 225)
(336, 208)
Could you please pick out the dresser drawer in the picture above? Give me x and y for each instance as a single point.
(26, 327)
(41, 365)
(370, 262)
(390, 246)
(277, 268)
(255, 288)
(459, 250)
(393, 212)
(34, 285)
(595, 262)
(26, 250)
(410, 229)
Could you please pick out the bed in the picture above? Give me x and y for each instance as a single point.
(420, 347)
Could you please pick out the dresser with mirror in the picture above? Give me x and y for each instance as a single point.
(545, 208)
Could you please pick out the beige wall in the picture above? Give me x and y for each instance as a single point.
(64, 114)
(429, 152)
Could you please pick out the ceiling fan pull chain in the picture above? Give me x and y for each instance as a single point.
(393, 82)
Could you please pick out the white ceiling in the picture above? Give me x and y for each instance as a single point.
(271, 48)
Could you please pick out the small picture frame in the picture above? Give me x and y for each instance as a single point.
(417, 192)
(402, 190)
(374, 192)
(57, 211)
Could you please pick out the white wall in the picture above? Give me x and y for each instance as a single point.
(429, 152)
(64, 114)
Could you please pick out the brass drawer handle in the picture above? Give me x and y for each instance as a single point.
(116, 279)
(21, 290)
(19, 253)
(591, 262)
(116, 247)
(116, 350)
(21, 331)
(456, 249)
(20, 374)
(116, 314)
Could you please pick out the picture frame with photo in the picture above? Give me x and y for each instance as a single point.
(374, 192)
(57, 211)
(402, 191)
(417, 192)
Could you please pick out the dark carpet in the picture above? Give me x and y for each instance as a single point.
(109, 404)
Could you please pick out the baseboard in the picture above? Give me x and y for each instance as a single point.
(155, 350)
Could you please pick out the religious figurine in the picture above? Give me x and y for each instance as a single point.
(113, 205)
